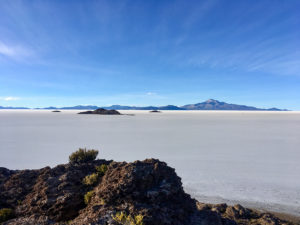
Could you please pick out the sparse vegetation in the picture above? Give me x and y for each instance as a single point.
(83, 155)
(91, 179)
(6, 214)
(88, 196)
(101, 169)
(123, 218)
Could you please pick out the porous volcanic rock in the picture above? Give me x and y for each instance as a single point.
(101, 111)
(55, 194)
(15, 185)
(242, 216)
(148, 188)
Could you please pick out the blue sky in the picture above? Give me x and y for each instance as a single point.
(65, 53)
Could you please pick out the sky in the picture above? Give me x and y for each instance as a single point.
(65, 53)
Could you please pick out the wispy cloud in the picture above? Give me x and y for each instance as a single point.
(244, 38)
(251, 59)
(16, 52)
(243, 49)
(6, 50)
(9, 98)
(151, 93)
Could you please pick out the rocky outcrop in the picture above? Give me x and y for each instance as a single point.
(148, 189)
(101, 111)
(243, 216)
(55, 194)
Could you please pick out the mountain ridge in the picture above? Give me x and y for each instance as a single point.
(10, 107)
(210, 104)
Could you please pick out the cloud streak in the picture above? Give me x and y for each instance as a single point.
(251, 43)
(9, 98)
(15, 52)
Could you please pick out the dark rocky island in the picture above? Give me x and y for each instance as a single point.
(55, 111)
(89, 191)
(102, 111)
(155, 111)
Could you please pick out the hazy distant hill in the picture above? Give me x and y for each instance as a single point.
(120, 107)
(9, 107)
(210, 104)
(79, 107)
(169, 107)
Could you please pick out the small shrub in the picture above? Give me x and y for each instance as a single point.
(101, 169)
(122, 218)
(91, 179)
(139, 219)
(83, 155)
(6, 214)
(88, 196)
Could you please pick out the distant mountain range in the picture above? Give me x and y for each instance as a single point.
(210, 104)
(9, 107)
(167, 107)
(78, 107)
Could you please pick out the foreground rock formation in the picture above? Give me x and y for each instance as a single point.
(101, 111)
(148, 190)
